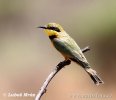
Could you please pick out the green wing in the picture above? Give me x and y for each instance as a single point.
(67, 46)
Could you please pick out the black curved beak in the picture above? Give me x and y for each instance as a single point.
(43, 27)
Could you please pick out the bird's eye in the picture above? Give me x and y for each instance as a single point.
(54, 28)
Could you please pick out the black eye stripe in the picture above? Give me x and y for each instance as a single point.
(54, 28)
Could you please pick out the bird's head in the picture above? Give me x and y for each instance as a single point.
(52, 29)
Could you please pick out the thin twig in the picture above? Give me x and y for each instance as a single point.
(53, 73)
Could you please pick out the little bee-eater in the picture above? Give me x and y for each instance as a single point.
(69, 48)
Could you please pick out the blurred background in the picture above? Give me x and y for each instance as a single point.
(27, 56)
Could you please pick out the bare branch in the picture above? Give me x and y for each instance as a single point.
(61, 65)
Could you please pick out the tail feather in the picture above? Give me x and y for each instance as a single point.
(92, 73)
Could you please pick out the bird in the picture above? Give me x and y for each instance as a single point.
(67, 46)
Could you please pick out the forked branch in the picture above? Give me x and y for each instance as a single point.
(53, 73)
